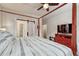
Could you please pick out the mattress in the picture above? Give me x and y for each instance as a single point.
(30, 46)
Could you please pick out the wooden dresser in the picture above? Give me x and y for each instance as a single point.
(63, 39)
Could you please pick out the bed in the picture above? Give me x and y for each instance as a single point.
(30, 46)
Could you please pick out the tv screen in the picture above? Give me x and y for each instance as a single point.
(70, 28)
(59, 28)
(64, 28)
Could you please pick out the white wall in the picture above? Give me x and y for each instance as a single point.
(78, 28)
(60, 16)
(9, 21)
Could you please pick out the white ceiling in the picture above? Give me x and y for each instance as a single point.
(27, 8)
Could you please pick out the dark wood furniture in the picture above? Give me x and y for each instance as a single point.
(63, 39)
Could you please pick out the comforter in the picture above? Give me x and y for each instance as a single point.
(30, 46)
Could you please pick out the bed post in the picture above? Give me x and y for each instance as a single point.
(73, 41)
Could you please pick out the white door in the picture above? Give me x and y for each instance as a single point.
(31, 29)
(21, 28)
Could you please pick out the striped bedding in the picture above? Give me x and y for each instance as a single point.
(30, 46)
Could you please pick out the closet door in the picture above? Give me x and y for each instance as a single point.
(31, 29)
(21, 29)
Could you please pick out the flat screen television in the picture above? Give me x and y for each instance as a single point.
(64, 28)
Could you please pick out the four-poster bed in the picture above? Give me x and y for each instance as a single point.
(20, 43)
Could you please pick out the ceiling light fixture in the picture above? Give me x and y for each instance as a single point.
(45, 6)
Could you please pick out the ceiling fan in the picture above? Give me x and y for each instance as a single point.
(46, 5)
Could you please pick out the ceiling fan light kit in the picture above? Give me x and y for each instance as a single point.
(45, 6)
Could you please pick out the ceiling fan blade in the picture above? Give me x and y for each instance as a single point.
(40, 8)
(47, 9)
(53, 4)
